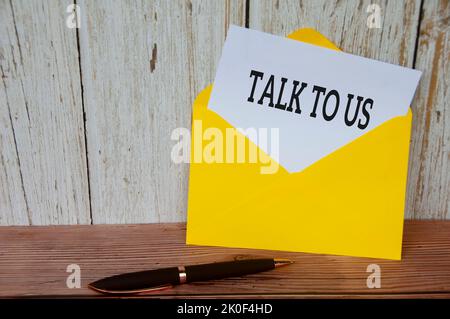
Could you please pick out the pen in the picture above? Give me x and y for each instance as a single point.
(158, 279)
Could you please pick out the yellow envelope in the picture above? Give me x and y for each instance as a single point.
(350, 202)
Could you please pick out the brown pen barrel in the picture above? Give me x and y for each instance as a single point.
(227, 269)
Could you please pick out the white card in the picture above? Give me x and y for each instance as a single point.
(243, 92)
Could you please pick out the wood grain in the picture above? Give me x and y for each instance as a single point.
(142, 65)
(345, 24)
(429, 170)
(33, 262)
(43, 177)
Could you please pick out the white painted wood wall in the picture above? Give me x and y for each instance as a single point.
(86, 114)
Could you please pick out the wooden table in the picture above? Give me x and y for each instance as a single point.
(34, 260)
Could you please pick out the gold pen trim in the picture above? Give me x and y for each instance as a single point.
(280, 262)
(182, 274)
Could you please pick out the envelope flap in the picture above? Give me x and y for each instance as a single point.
(311, 36)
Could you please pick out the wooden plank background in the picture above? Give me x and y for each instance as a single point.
(43, 176)
(86, 114)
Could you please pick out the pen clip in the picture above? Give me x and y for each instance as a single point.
(131, 292)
